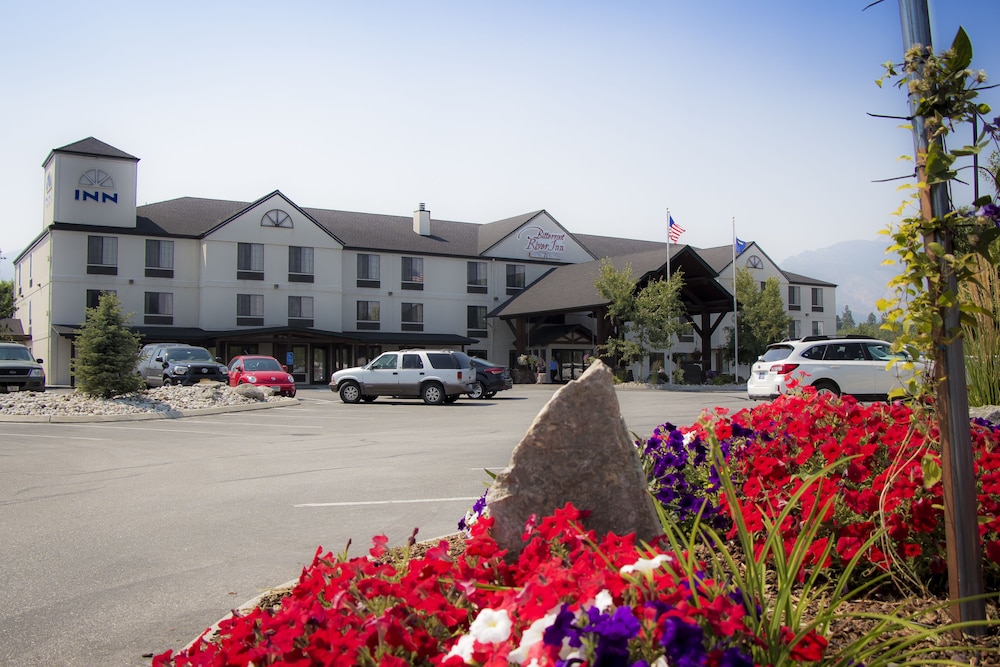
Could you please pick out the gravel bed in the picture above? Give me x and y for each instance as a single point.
(160, 399)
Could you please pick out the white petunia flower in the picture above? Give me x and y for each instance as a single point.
(530, 637)
(491, 627)
(603, 601)
(462, 648)
(646, 566)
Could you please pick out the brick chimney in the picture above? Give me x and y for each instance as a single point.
(422, 221)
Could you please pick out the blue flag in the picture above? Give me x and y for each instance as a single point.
(741, 245)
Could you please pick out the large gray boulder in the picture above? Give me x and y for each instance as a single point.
(577, 450)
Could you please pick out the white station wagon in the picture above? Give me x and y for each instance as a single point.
(854, 365)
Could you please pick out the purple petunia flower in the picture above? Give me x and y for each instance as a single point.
(683, 643)
(990, 212)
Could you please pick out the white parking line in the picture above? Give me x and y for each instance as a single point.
(58, 437)
(387, 502)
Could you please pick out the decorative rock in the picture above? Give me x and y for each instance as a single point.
(577, 450)
(250, 391)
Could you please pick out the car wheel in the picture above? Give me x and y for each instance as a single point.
(368, 399)
(432, 393)
(350, 392)
(167, 381)
(452, 398)
(827, 387)
(477, 390)
(489, 394)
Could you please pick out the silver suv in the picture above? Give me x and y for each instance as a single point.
(436, 376)
(854, 365)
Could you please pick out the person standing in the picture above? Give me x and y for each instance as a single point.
(554, 369)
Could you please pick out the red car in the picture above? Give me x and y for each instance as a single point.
(262, 372)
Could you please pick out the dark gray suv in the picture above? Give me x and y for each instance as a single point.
(162, 364)
(19, 371)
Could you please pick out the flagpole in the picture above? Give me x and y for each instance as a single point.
(736, 327)
(666, 279)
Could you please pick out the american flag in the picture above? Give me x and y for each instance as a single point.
(675, 230)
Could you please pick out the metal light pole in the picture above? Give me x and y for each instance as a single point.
(964, 552)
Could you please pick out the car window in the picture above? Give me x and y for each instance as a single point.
(15, 354)
(445, 360)
(412, 361)
(844, 352)
(883, 352)
(777, 353)
(386, 361)
(262, 365)
(187, 354)
(815, 352)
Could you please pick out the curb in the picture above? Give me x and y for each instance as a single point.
(145, 416)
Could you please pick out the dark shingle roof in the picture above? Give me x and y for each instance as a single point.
(799, 279)
(92, 147)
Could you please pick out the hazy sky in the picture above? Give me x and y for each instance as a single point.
(603, 113)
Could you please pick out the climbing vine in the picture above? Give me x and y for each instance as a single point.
(938, 250)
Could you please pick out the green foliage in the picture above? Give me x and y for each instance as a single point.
(106, 352)
(6, 299)
(641, 320)
(873, 326)
(761, 320)
(938, 250)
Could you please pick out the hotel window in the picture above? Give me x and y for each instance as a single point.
(817, 299)
(412, 273)
(102, 255)
(411, 316)
(368, 271)
(300, 311)
(250, 310)
(794, 298)
(159, 259)
(515, 278)
(159, 308)
(686, 333)
(368, 316)
(476, 272)
(94, 296)
(250, 261)
(476, 321)
(817, 327)
(300, 264)
(795, 330)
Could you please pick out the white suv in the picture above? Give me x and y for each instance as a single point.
(854, 365)
(437, 376)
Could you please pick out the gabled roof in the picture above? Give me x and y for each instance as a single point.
(91, 147)
(272, 195)
(570, 288)
(494, 232)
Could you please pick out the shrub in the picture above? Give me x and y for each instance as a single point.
(106, 352)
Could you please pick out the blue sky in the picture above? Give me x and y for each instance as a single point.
(603, 113)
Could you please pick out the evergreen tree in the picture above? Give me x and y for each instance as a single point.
(846, 323)
(6, 299)
(106, 352)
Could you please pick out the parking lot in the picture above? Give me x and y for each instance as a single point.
(126, 538)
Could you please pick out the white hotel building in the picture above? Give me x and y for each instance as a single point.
(322, 289)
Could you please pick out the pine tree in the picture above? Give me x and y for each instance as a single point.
(106, 352)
